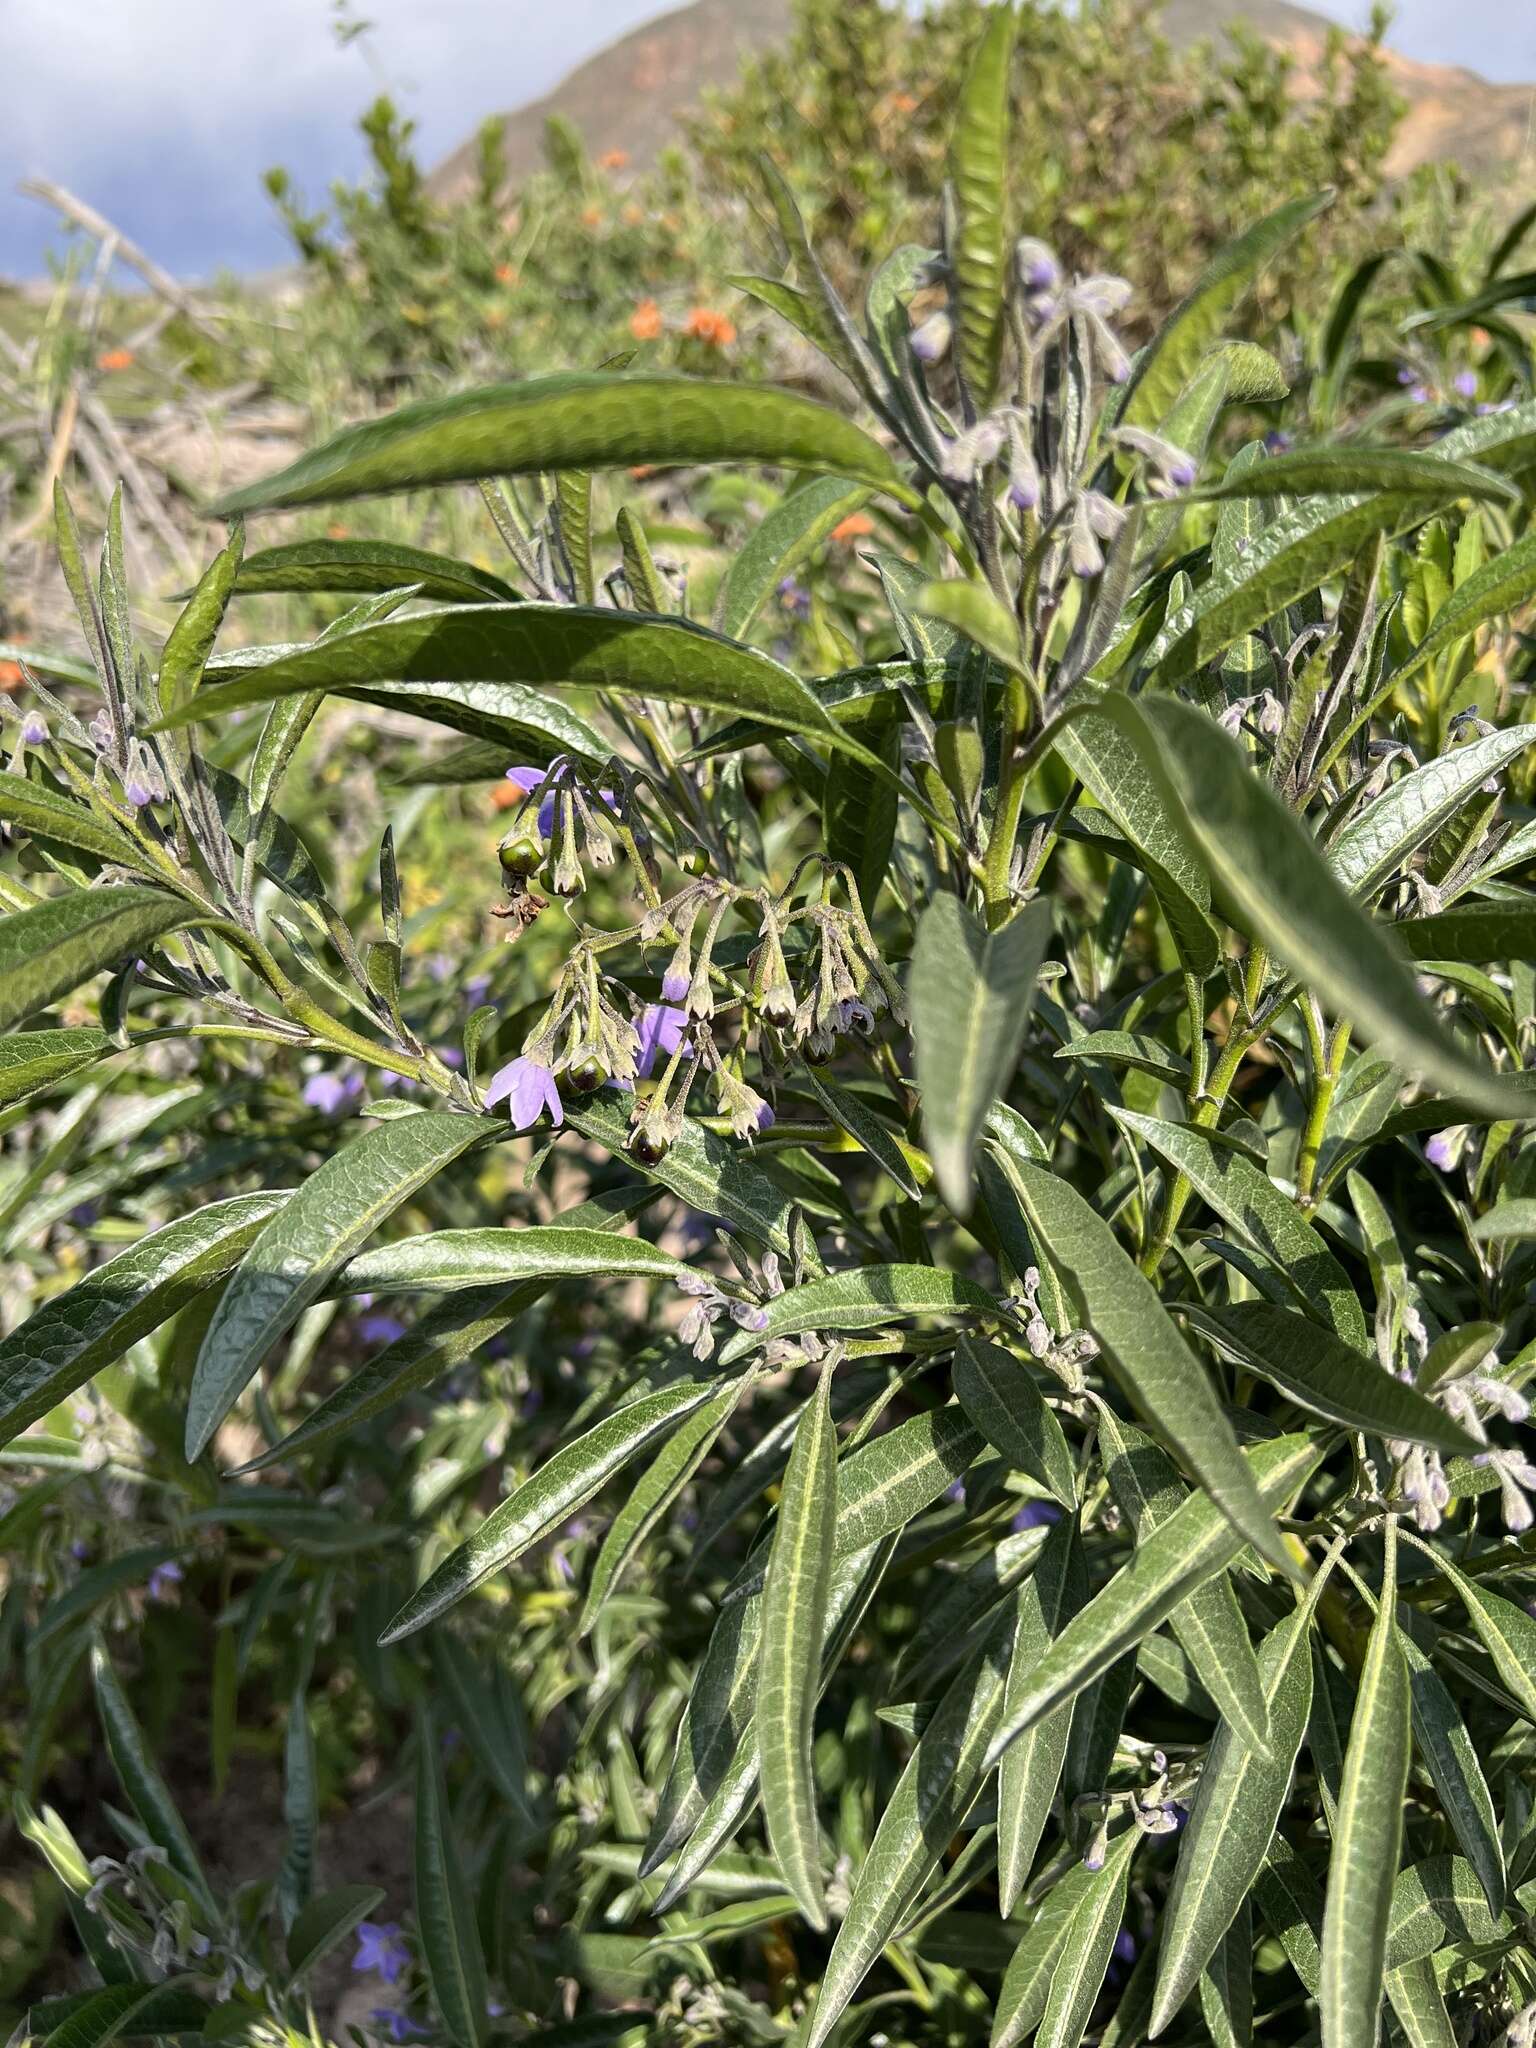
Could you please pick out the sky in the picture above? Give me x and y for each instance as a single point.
(164, 113)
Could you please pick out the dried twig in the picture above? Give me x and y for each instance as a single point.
(94, 223)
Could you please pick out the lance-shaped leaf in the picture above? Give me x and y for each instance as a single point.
(969, 991)
(1437, 1901)
(442, 1261)
(863, 1299)
(560, 1486)
(539, 646)
(940, 1784)
(87, 1327)
(1151, 1361)
(1209, 1624)
(1418, 2005)
(978, 165)
(1226, 1985)
(848, 1111)
(1291, 1900)
(578, 420)
(1506, 1632)
(1334, 1379)
(50, 948)
(191, 639)
(1195, 1543)
(709, 1173)
(1000, 1397)
(1306, 472)
(794, 1620)
(29, 1060)
(132, 2010)
(1472, 931)
(1027, 1982)
(1240, 1798)
(148, 1793)
(1503, 585)
(1276, 885)
(780, 541)
(1031, 1770)
(450, 1937)
(1083, 1958)
(975, 610)
(47, 814)
(657, 1487)
(355, 566)
(1451, 1759)
(1368, 1834)
(1294, 554)
(1245, 1198)
(310, 1238)
(1166, 365)
(1415, 808)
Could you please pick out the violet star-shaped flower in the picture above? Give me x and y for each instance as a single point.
(331, 1092)
(661, 1033)
(380, 1949)
(528, 1089)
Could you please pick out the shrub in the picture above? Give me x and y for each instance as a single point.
(982, 1159)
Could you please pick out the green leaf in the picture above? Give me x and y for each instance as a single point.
(795, 1596)
(1247, 1199)
(1000, 1398)
(1031, 1770)
(978, 165)
(1330, 1377)
(1195, 1543)
(780, 542)
(87, 1327)
(657, 1487)
(969, 991)
(975, 611)
(29, 1060)
(1503, 585)
(1352, 467)
(445, 1260)
(368, 565)
(933, 1795)
(1368, 1835)
(148, 1793)
(1437, 1901)
(848, 1112)
(1027, 1984)
(47, 814)
(1166, 365)
(1278, 887)
(1472, 931)
(1209, 1623)
(1241, 1795)
(709, 1173)
(1083, 1959)
(49, 949)
(1506, 1631)
(327, 1921)
(186, 651)
(450, 1938)
(860, 810)
(578, 420)
(862, 1299)
(1150, 1360)
(453, 1330)
(1297, 552)
(1226, 1985)
(296, 1873)
(128, 2009)
(462, 657)
(560, 1486)
(1448, 1753)
(309, 1240)
(1414, 809)
(1418, 2005)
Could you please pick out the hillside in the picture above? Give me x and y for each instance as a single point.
(628, 96)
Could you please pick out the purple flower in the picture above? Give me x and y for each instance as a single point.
(674, 985)
(1407, 374)
(1036, 1514)
(1277, 440)
(163, 1580)
(528, 1089)
(34, 729)
(765, 1117)
(1465, 382)
(476, 989)
(1125, 1946)
(330, 1092)
(450, 1056)
(1441, 1150)
(1420, 394)
(530, 779)
(390, 2020)
(138, 793)
(382, 1328)
(661, 1032)
(380, 1949)
(794, 597)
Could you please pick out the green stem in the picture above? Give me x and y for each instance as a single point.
(306, 1011)
(1327, 1066)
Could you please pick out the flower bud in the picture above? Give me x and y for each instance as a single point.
(930, 341)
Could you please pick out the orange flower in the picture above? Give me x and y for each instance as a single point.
(506, 273)
(646, 323)
(632, 215)
(1480, 337)
(591, 216)
(613, 160)
(903, 103)
(10, 677)
(641, 470)
(505, 795)
(115, 359)
(336, 531)
(713, 329)
(854, 527)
